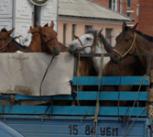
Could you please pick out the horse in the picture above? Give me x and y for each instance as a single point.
(87, 44)
(81, 48)
(35, 44)
(92, 42)
(126, 67)
(8, 43)
(50, 43)
(136, 44)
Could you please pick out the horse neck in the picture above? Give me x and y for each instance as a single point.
(63, 47)
(99, 62)
(35, 44)
(85, 67)
(144, 47)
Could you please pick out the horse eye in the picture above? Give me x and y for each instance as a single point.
(127, 39)
(44, 36)
(88, 39)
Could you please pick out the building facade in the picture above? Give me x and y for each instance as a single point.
(145, 18)
(139, 11)
(129, 8)
(77, 16)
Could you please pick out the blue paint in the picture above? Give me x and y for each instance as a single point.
(111, 80)
(91, 95)
(61, 127)
(74, 110)
(75, 121)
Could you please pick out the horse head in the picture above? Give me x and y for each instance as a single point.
(85, 44)
(125, 43)
(89, 43)
(34, 30)
(5, 38)
(5, 34)
(49, 39)
(35, 44)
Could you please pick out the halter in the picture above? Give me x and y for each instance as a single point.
(44, 44)
(3, 48)
(48, 41)
(79, 40)
(122, 55)
(82, 46)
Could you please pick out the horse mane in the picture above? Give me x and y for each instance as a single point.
(150, 38)
(18, 44)
(3, 30)
(92, 31)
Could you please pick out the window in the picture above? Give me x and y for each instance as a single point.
(64, 33)
(138, 10)
(128, 14)
(129, 3)
(110, 4)
(109, 34)
(121, 7)
(73, 30)
(113, 5)
(88, 27)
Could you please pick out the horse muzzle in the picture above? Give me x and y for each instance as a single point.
(55, 51)
(115, 58)
(72, 49)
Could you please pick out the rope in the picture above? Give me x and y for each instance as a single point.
(151, 130)
(135, 103)
(118, 103)
(132, 124)
(78, 75)
(122, 55)
(44, 76)
(98, 93)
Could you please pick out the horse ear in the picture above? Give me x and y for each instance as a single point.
(29, 31)
(10, 31)
(46, 25)
(99, 32)
(52, 24)
(135, 26)
(124, 26)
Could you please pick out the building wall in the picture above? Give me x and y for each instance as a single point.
(122, 7)
(103, 3)
(145, 18)
(80, 27)
(141, 12)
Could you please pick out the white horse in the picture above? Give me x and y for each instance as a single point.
(90, 43)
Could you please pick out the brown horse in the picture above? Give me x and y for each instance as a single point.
(35, 44)
(50, 43)
(126, 67)
(136, 44)
(8, 43)
(87, 44)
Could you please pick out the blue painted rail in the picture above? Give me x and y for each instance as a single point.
(86, 110)
(78, 121)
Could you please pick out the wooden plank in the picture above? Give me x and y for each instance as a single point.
(73, 110)
(90, 95)
(112, 95)
(111, 80)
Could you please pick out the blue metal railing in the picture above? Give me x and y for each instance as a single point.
(135, 111)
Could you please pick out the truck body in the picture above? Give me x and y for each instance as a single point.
(89, 119)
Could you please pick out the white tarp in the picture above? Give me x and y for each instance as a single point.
(23, 73)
